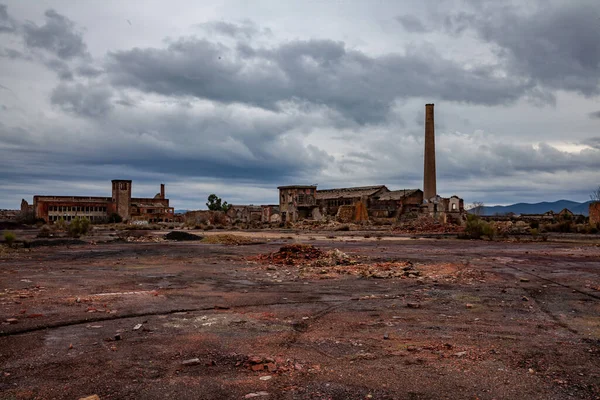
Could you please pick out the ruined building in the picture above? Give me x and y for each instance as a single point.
(361, 203)
(99, 209)
(595, 214)
(298, 202)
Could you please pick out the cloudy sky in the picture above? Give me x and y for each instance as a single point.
(238, 97)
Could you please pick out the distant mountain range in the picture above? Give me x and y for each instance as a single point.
(538, 208)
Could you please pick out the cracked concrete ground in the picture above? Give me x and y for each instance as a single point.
(485, 320)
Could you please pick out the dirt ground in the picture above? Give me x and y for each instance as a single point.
(190, 320)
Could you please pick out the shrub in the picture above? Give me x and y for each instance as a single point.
(45, 232)
(535, 233)
(79, 226)
(60, 225)
(115, 218)
(476, 228)
(534, 224)
(10, 238)
(565, 226)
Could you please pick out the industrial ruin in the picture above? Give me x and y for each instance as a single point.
(355, 204)
(98, 209)
(296, 202)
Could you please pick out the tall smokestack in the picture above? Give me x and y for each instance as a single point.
(429, 180)
(162, 191)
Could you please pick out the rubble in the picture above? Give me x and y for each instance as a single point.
(426, 224)
(227, 239)
(142, 239)
(311, 260)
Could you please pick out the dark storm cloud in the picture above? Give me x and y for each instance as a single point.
(411, 23)
(58, 36)
(83, 100)
(595, 115)
(7, 24)
(221, 144)
(323, 72)
(593, 142)
(556, 46)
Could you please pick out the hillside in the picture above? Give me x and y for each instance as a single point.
(538, 208)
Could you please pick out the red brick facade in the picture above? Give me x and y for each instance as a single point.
(595, 214)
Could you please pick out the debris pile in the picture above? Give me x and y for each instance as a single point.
(142, 239)
(426, 225)
(231, 240)
(293, 254)
(182, 236)
(275, 365)
(312, 261)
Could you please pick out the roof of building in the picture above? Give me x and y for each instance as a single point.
(349, 193)
(398, 194)
(149, 205)
(297, 187)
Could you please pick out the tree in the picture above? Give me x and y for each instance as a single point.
(595, 195)
(476, 208)
(216, 204)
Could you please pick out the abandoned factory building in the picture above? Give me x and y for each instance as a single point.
(99, 209)
(347, 204)
(361, 203)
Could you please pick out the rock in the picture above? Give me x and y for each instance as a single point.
(382, 275)
(271, 367)
(257, 367)
(138, 326)
(460, 354)
(191, 361)
(257, 394)
(92, 397)
(469, 305)
(386, 336)
(265, 378)
(413, 305)
(524, 298)
(11, 320)
(255, 360)
(118, 336)
(524, 280)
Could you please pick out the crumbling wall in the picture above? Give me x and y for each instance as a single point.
(595, 214)
(206, 217)
(345, 214)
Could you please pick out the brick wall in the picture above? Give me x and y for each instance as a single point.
(595, 214)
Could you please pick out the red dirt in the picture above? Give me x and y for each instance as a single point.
(485, 320)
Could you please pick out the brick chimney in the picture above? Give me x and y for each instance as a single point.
(162, 191)
(429, 179)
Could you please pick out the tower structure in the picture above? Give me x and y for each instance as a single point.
(121, 197)
(429, 175)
